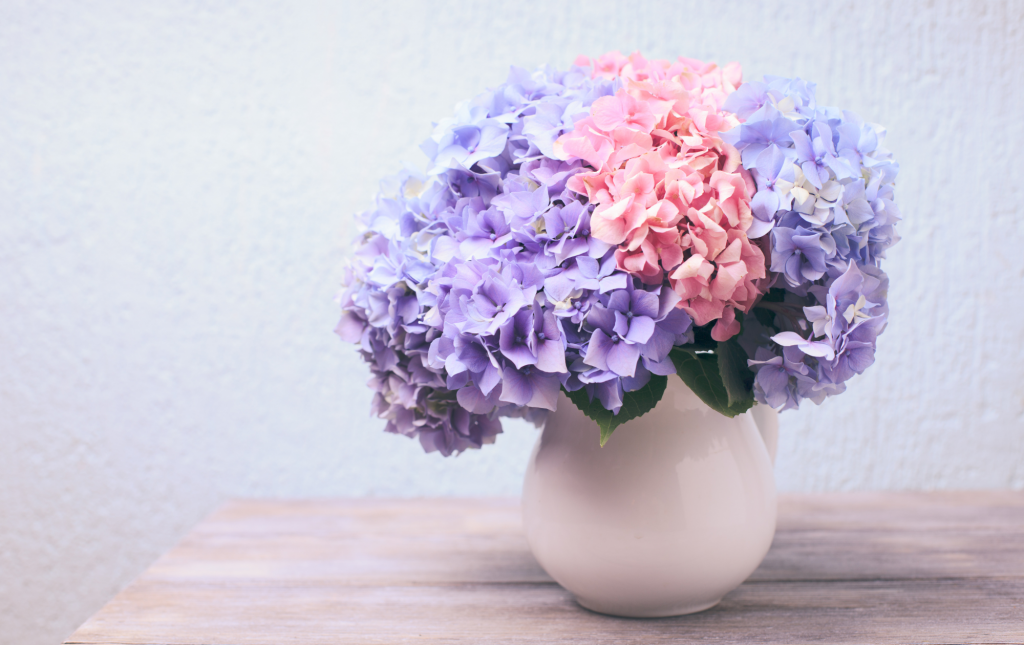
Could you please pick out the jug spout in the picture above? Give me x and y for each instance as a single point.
(767, 421)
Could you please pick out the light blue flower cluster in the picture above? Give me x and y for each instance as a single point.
(477, 291)
(824, 203)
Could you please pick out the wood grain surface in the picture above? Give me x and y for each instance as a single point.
(844, 568)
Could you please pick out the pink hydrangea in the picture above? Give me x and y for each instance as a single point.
(667, 190)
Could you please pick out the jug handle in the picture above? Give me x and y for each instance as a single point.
(767, 421)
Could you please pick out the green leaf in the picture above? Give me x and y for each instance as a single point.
(701, 374)
(737, 378)
(634, 404)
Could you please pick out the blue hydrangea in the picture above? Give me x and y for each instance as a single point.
(824, 203)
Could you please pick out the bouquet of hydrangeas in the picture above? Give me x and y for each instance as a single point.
(594, 230)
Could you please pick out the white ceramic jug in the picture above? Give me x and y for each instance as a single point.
(676, 510)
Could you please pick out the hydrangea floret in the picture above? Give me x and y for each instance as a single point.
(595, 230)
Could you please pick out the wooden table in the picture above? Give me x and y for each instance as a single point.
(865, 568)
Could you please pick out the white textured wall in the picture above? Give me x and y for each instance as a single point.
(176, 181)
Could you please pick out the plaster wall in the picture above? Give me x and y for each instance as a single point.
(176, 184)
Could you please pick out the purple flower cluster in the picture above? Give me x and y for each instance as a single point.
(825, 200)
(477, 291)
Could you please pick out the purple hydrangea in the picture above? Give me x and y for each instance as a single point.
(825, 202)
(476, 290)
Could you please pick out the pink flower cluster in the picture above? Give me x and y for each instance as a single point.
(668, 191)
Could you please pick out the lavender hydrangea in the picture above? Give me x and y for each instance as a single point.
(476, 290)
(825, 203)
